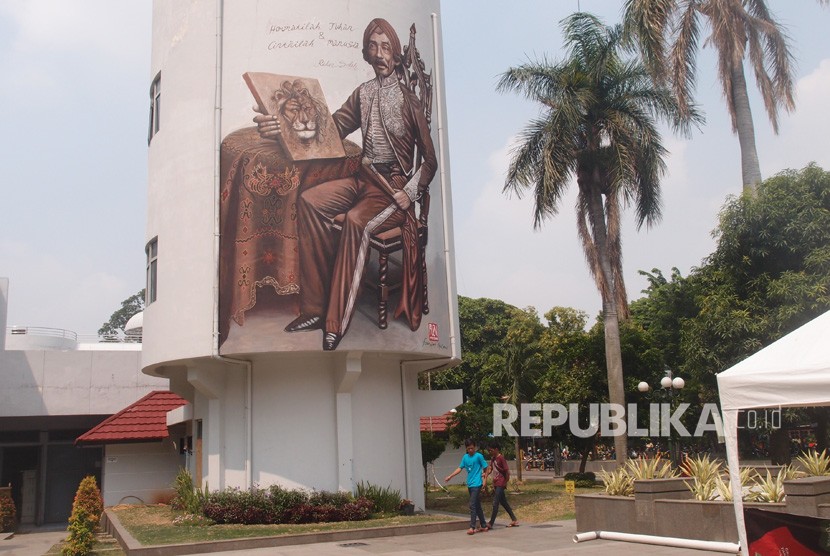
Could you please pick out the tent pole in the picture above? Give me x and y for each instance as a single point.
(730, 425)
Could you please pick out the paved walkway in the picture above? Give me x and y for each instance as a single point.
(34, 543)
(554, 538)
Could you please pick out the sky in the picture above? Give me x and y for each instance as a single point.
(73, 114)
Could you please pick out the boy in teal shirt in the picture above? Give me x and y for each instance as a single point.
(474, 464)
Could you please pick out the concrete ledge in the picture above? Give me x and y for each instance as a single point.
(601, 512)
(713, 520)
(132, 547)
(685, 519)
(674, 488)
(806, 495)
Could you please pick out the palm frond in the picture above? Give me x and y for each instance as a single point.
(683, 59)
(646, 25)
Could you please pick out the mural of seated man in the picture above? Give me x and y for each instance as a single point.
(397, 166)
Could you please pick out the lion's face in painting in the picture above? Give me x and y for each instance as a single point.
(300, 110)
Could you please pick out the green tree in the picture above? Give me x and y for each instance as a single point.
(522, 363)
(86, 513)
(484, 324)
(666, 306)
(471, 420)
(668, 33)
(574, 373)
(431, 449)
(598, 124)
(769, 274)
(114, 327)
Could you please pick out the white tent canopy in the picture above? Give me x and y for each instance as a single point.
(793, 371)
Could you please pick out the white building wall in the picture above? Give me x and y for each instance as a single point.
(180, 204)
(379, 428)
(140, 473)
(72, 382)
(295, 431)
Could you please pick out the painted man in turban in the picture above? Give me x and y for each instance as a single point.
(378, 198)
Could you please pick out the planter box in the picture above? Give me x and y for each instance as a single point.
(600, 512)
(662, 507)
(708, 521)
(805, 496)
(647, 491)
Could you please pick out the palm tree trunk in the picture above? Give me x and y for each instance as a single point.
(613, 352)
(750, 167)
(613, 361)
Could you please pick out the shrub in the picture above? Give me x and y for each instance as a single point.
(188, 498)
(705, 473)
(582, 480)
(769, 488)
(359, 510)
(815, 464)
(618, 482)
(282, 500)
(86, 513)
(278, 505)
(385, 499)
(725, 487)
(656, 468)
(249, 507)
(8, 514)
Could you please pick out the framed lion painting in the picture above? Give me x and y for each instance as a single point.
(308, 128)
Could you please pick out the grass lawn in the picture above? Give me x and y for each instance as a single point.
(104, 546)
(153, 524)
(536, 501)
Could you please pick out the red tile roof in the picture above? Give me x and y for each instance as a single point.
(439, 423)
(143, 421)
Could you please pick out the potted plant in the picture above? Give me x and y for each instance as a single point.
(406, 507)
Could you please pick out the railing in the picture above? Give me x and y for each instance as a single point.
(69, 335)
(42, 331)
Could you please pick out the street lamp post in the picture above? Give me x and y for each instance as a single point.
(669, 384)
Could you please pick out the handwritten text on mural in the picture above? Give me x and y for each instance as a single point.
(322, 36)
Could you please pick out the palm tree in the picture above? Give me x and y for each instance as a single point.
(597, 124)
(668, 32)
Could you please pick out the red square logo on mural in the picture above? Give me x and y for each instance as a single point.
(433, 331)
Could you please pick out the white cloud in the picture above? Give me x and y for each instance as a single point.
(110, 28)
(45, 290)
(803, 134)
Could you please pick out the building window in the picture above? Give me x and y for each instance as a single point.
(152, 251)
(155, 106)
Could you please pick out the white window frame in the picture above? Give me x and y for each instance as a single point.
(155, 107)
(152, 252)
